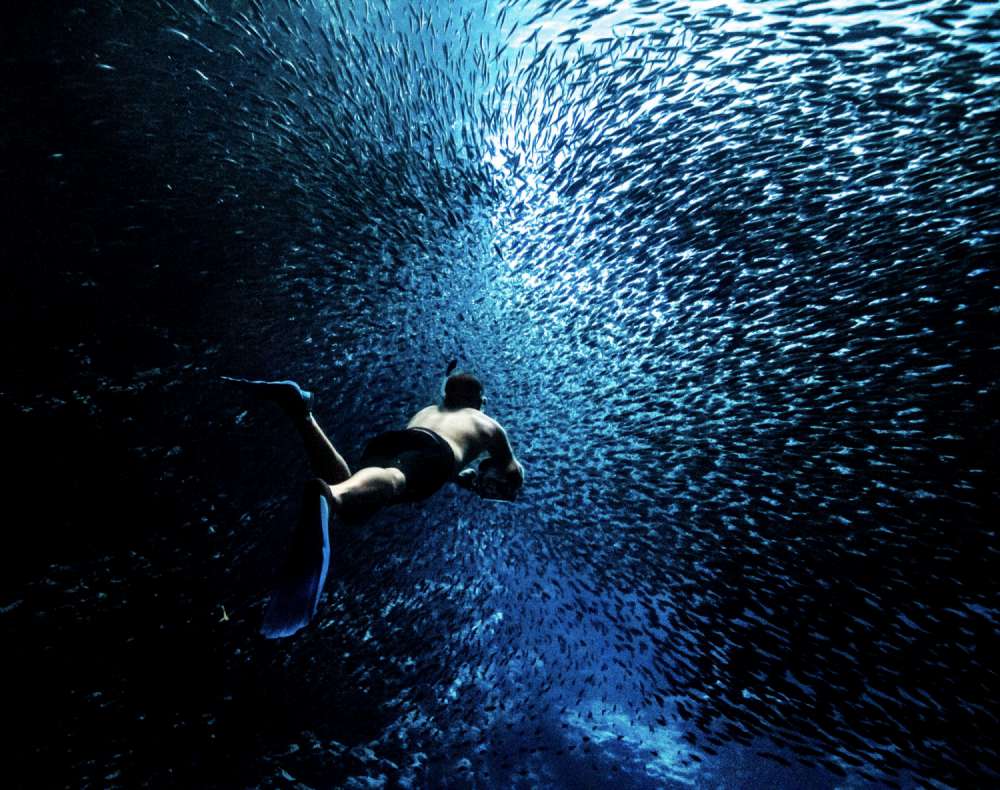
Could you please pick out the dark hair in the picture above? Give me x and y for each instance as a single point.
(463, 390)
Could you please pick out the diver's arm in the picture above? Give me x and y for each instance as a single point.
(503, 456)
(501, 475)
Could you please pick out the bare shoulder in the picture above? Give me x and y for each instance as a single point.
(488, 424)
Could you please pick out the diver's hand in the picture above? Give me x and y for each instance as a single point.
(467, 478)
(496, 482)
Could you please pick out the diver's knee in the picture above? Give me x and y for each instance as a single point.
(397, 479)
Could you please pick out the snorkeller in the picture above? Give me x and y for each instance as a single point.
(439, 445)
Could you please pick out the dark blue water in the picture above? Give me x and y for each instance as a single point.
(728, 272)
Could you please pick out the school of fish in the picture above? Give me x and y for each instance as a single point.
(728, 273)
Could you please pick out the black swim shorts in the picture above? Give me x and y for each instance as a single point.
(424, 457)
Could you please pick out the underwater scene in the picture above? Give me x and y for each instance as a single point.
(728, 273)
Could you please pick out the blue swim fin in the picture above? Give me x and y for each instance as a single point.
(287, 394)
(300, 584)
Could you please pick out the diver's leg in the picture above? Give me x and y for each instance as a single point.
(326, 462)
(371, 487)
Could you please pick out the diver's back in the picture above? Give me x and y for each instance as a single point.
(467, 430)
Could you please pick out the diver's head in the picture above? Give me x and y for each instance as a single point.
(463, 391)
